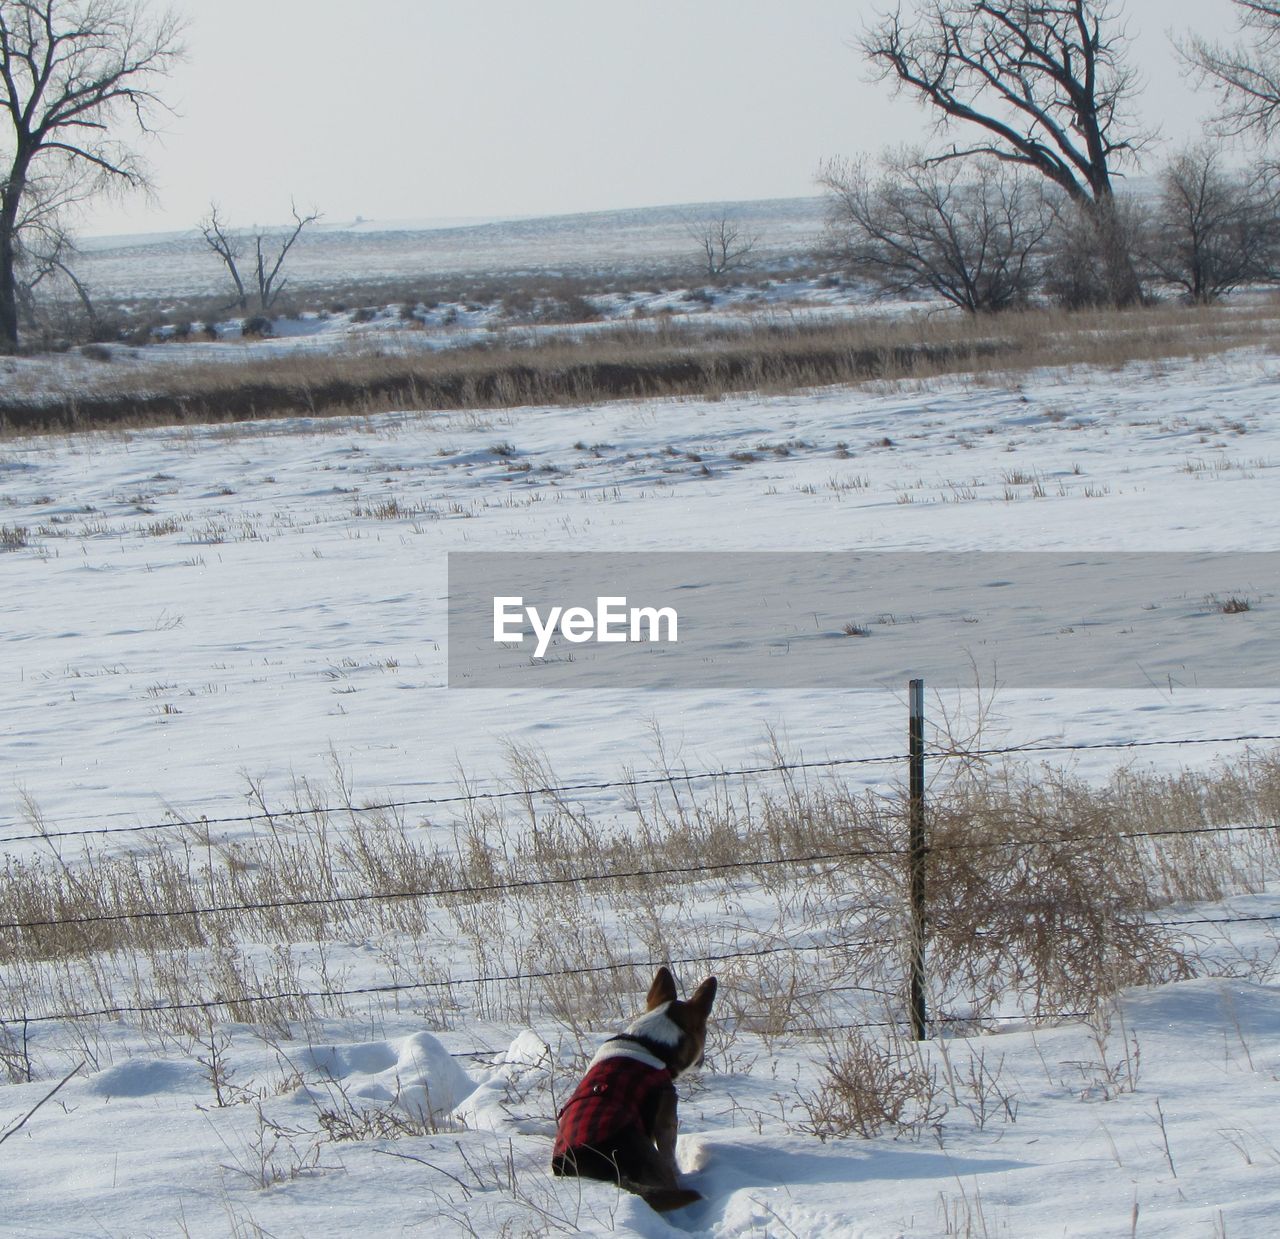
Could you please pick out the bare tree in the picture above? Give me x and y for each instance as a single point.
(972, 233)
(1043, 85)
(70, 70)
(268, 250)
(1048, 83)
(1214, 229)
(229, 248)
(722, 244)
(46, 264)
(1246, 75)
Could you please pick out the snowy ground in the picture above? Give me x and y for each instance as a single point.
(1169, 1123)
(408, 331)
(175, 584)
(620, 242)
(190, 610)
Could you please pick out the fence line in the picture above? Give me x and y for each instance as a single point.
(208, 1004)
(815, 1029)
(657, 780)
(1101, 744)
(398, 987)
(1219, 920)
(550, 974)
(487, 888)
(329, 994)
(619, 875)
(172, 823)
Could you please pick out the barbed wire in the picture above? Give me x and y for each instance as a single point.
(487, 888)
(1125, 835)
(266, 815)
(399, 987)
(622, 875)
(905, 1021)
(618, 875)
(177, 822)
(238, 1000)
(811, 1030)
(1219, 920)
(1082, 746)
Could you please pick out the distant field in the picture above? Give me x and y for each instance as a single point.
(344, 366)
(634, 241)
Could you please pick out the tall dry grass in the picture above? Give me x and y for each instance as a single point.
(1040, 895)
(630, 362)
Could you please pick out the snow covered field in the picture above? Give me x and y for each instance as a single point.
(387, 331)
(620, 242)
(191, 615)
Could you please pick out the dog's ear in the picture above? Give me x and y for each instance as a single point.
(662, 990)
(702, 999)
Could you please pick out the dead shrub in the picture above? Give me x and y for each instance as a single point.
(870, 1087)
(1034, 891)
(348, 1118)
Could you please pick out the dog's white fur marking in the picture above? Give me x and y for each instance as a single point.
(624, 1049)
(657, 1025)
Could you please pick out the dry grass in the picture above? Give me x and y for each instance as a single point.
(871, 1085)
(1041, 890)
(636, 361)
(1040, 894)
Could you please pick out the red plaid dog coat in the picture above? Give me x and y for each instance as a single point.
(612, 1097)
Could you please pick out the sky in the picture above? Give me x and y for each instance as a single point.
(444, 109)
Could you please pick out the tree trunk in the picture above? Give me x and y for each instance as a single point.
(1116, 251)
(10, 200)
(8, 286)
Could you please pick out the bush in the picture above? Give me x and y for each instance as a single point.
(257, 326)
(1092, 248)
(1034, 890)
(970, 231)
(868, 1088)
(1214, 229)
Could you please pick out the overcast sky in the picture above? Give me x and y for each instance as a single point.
(399, 109)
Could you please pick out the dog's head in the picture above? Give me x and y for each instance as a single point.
(678, 1030)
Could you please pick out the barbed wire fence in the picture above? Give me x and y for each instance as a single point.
(178, 822)
(914, 852)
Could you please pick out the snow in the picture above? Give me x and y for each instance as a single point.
(140, 1149)
(202, 611)
(404, 330)
(177, 584)
(180, 264)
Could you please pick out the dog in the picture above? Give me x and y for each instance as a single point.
(620, 1123)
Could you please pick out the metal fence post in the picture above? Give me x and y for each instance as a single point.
(918, 850)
